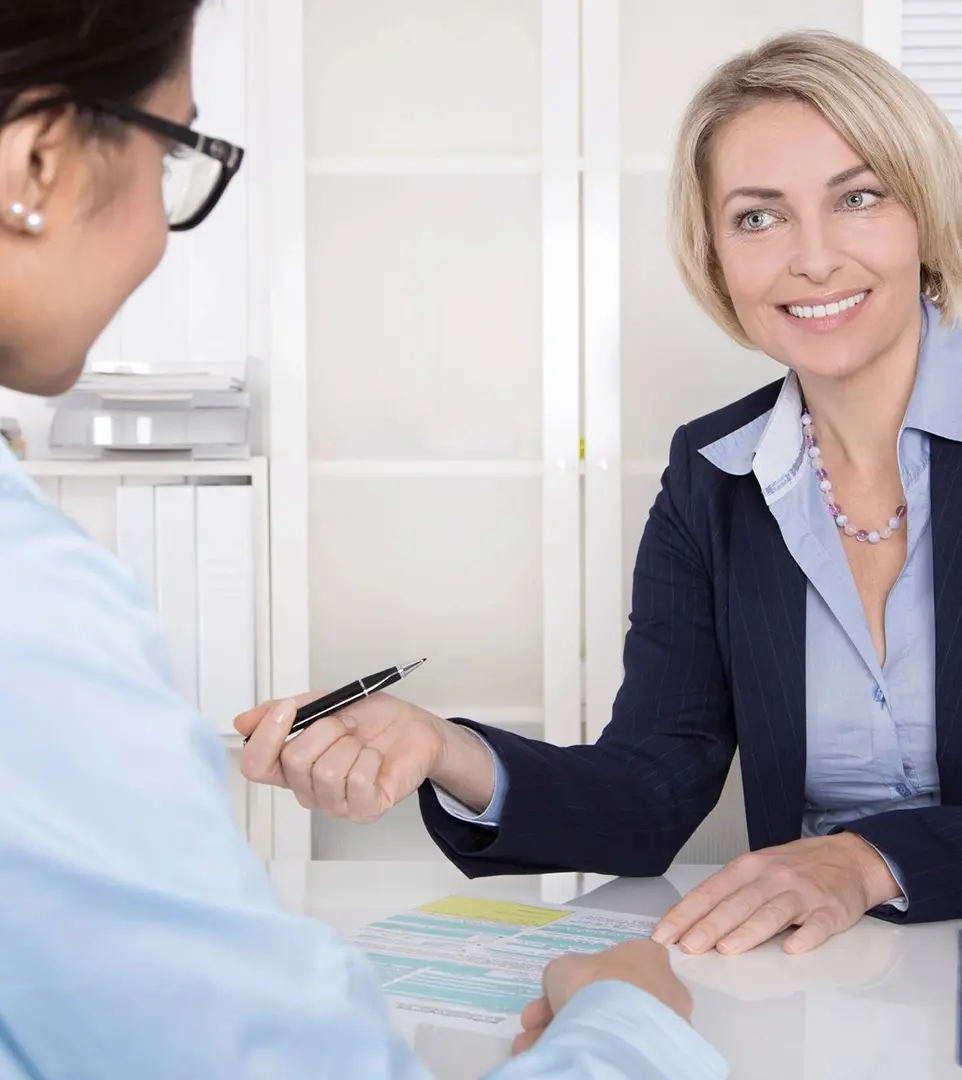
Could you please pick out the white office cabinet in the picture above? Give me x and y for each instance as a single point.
(224, 624)
(136, 530)
(177, 545)
(442, 263)
(423, 79)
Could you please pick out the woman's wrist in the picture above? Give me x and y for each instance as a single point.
(464, 767)
(877, 879)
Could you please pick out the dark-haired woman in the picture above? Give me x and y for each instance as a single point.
(139, 937)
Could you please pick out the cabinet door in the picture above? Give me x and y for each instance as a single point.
(443, 274)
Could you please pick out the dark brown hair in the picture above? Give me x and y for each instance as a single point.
(90, 50)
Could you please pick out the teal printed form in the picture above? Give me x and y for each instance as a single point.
(477, 963)
(478, 992)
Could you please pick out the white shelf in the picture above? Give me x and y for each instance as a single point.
(123, 467)
(415, 468)
(348, 468)
(492, 165)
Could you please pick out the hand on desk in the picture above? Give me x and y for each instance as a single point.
(641, 963)
(357, 763)
(821, 885)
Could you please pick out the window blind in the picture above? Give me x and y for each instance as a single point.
(932, 51)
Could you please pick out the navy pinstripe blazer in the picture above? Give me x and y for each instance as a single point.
(714, 658)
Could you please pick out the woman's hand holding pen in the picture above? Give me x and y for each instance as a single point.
(357, 763)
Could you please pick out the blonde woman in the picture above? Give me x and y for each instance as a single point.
(798, 588)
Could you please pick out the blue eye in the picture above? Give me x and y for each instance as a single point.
(754, 220)
(862, 199)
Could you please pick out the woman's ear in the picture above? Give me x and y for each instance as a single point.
(34, 153)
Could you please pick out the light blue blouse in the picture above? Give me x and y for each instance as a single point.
(141, 937)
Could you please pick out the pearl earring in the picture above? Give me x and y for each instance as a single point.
(35, 223)
(18, 211)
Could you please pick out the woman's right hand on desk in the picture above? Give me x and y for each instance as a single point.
(359, 762)
(641, 963)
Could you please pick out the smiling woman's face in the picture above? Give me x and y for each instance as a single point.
(821, 265)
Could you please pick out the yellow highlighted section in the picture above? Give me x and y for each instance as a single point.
(499, 911)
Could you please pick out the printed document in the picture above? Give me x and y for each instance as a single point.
(473, 964)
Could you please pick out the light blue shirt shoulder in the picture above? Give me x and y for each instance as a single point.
(140, 934)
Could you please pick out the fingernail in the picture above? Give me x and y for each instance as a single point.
(663, 934)
(694, 942)
(282, 712)
(349, 722)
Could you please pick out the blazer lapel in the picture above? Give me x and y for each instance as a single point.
(767, 624)
(946, 497)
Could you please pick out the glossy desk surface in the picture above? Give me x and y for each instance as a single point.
(877, 1003)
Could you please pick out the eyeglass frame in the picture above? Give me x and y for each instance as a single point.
(226, 154)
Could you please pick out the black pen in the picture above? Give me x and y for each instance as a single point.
(347, 695)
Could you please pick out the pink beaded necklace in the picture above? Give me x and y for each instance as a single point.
(828, 495)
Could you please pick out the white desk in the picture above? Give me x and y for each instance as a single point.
(877, 1003)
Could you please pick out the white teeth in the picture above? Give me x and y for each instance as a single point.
(820, 311)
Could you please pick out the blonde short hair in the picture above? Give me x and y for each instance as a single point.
(896, 128)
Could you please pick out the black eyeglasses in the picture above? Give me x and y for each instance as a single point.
(197, 170)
